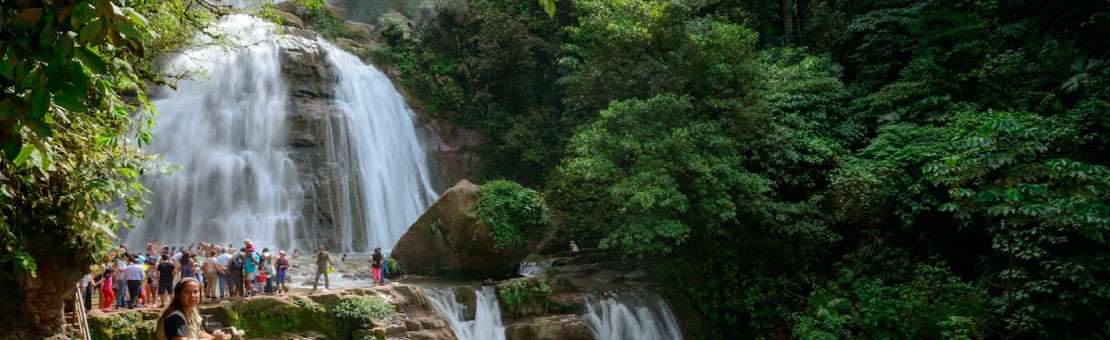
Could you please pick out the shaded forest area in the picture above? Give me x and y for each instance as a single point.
(810, 169)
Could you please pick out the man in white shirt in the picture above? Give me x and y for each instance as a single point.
(134, 275)
(221, 263)
(176, 257)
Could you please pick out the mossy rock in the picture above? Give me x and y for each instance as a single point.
(124, 325)
(269, 316)
(467, 297)
(356, 316)
(329, 299)
(524, 296)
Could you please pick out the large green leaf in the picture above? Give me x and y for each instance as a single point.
(24, 153)
(40, 103)
(91, 60)
(548, 6)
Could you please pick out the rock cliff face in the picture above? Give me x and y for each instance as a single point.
(313, 119)
(449, 240)
(309, 121)
(453, 148)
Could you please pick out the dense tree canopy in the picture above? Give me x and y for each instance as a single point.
(794, 168)
(815, 169)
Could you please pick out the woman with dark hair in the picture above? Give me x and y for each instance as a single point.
(377, 261)
(107, 295)
(181, 320)
(187, 265)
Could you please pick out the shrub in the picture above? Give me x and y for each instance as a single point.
(360, 309)
(526, 296)
(512, 213)
(935, 304)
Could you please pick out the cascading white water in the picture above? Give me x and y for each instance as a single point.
(487, 315)
(225, 128)
(631, 315)
(533, 269)
(530, 269)
(383, 153)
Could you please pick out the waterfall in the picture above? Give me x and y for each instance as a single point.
(529, 269)
(225, 129)
(631, 315)
(380, 147)
(487, 316)
(534, 268)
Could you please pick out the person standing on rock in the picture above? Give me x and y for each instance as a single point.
(376, 264)
(107, 293)
(282, 266)
(134, 274)
(323, 262)
(235, 272)
(573, 249)
(222, 261)
(211, 274)
(250, 270)
(165, 279)
(268, 269)
(118, 279)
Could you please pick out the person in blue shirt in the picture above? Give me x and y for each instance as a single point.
(250, 270)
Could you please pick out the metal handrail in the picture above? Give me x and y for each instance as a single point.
(82, 321)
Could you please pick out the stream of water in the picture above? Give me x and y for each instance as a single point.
(631, 315)
(486, 324)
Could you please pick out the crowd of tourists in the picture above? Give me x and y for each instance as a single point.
(146, 279)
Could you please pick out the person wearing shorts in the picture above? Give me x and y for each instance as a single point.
(282, 264)
(251, 263)
(165, 280)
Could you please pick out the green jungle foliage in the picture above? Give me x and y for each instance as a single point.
(810, 169)
(514, 214)
(525, 296)
(73, 114)
(793, 168)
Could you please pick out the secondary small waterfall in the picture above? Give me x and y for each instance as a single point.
(533, 268)
(486, 324)
(631, 315)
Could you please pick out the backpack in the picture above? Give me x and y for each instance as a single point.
(237, 263)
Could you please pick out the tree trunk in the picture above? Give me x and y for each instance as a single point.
(787, 20)
(44, 302)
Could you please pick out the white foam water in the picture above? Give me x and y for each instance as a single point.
(631, 315)
(487, 317)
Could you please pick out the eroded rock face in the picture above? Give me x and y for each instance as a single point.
(312, 118)
(553, 327)
(455, 149)
(448, 240)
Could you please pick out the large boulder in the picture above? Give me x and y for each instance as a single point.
(448, 240)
